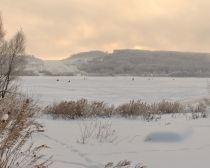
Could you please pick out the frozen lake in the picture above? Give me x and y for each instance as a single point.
(113, 90)
(170, 142)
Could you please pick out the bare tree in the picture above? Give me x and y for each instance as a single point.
(11, 52)
(16, 130)
(17, 113)
(2, 33)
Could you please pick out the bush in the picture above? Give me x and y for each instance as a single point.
(166, 107)
(197, 110)
(100, 109)
(124, 164)
(78, 109)
(148, 111)
(84, 109)
(134, 109)
(70, 110)
(16, 128)
(98, 130)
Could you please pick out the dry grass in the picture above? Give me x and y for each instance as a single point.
(84, 109)
(96, 130)
(69, 110)
(79, 109)
(124, 164)
(148, 111)
(198, 110)
(16, 129)
(133, 109)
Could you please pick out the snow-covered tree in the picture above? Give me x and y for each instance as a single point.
(11, 52)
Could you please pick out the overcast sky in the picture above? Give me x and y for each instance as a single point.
(55, 29)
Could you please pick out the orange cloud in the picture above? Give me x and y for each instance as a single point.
(55, 29)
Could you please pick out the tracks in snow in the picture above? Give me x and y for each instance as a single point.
(90, 163)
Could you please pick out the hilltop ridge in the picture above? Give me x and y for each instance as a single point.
(124, 62)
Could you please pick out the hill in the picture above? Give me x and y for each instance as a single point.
(126, 62)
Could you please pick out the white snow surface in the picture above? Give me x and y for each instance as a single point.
(114, 90)
(171, 142)
(190, 150)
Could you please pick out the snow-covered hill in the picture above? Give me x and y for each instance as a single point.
(68, 66)
(59, 67)
(36, 66)
(124, 62)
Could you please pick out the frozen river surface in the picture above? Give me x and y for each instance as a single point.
(114, 90)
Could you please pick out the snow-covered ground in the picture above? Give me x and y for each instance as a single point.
(114, 90)
(171, 142)
(168, 143)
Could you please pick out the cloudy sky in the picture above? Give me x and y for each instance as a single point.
(56, 29)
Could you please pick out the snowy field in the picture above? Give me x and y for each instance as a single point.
(113, 90)
(168, 143)
(171, 142)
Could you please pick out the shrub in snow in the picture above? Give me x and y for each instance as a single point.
(79, 109)
(165, 107)
(198, 110)
(97, 130)
(16, 114)
(67, 110)
(84, 109)
(16, 130)
(134, 109)
(123, 164)
(148, 111)
(101, 109)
